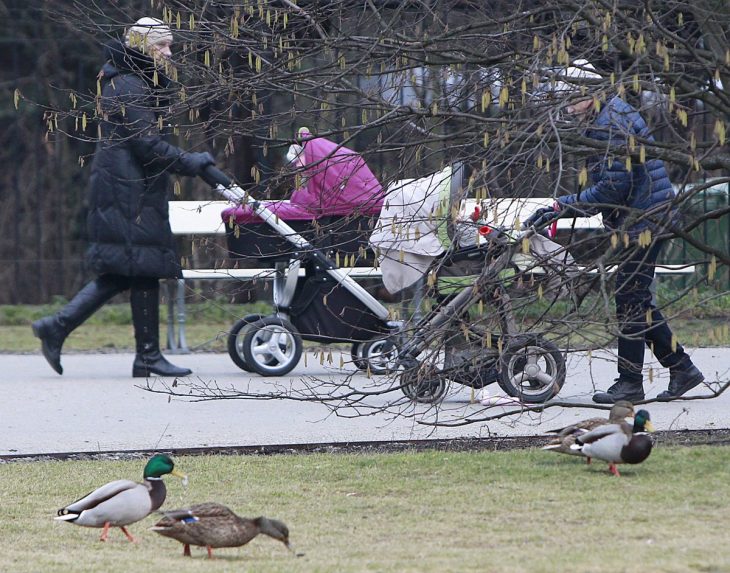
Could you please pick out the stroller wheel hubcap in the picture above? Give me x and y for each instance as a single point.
(532, 370)
(278, 348)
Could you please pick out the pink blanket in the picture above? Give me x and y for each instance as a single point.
(337, 182)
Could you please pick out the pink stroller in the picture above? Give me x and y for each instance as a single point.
(327, 219)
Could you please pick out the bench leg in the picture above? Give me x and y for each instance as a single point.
(176, 344)
(171, 342)
(182, 341)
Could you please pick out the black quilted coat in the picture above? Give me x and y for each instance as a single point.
(128, 224)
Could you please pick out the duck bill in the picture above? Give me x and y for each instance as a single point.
(180, 475)
(648, 426)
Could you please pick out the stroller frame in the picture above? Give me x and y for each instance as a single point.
(525, 365)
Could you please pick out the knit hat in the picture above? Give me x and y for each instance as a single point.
(147, 32)
(571, 79)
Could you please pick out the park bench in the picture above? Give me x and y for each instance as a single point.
(203, 218)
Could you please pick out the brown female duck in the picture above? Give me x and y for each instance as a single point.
(213, 525)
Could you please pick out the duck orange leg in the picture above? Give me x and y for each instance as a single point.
(210, 552)
(186, 550)
(129, 535)
(105, 531)
(614, 470)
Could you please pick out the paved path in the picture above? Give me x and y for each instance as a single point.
(97, 406)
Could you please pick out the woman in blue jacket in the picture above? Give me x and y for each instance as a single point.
(631, 200)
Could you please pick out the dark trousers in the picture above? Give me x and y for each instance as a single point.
(120, 283)
(633, 305)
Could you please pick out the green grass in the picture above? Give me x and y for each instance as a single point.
(698, 317)
(519, 511)
(110, 328)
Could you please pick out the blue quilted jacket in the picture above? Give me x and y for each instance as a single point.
(620, 195)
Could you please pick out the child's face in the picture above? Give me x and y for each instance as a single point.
(580, 108)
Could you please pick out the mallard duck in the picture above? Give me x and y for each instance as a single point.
(214, 525)
(565, 437)
(122, 502)
(618, 443)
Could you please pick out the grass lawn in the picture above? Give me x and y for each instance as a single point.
(207, 328)
(435, 511)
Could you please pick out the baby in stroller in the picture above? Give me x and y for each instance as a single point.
(336, 183)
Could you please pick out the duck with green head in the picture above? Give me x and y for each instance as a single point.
(213, 525)
(122, 502)
(618, 443)
(565, 437)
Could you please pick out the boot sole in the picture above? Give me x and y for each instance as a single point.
(147, 373)
(613, 399)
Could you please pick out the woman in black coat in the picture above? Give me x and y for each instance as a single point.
(131, 243)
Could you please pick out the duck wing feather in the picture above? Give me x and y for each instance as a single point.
(195, 513)
(99, 495)
(582, 426)
(601, 432)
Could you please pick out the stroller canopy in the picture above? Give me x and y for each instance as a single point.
(337, 181)
(411, 230)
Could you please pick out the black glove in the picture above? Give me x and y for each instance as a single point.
(196, 162)
(542, 217)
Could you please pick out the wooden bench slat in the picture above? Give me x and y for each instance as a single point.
(263, 274)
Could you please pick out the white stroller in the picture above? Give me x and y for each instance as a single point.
(473, 271)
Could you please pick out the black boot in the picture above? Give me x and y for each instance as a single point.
(622, 389)
(53, 330)
(681, 380)
(149, 361)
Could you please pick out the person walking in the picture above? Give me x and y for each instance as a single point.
(131, 243)
(632, 200)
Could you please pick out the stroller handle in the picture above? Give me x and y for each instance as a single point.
(214, 176)
(223, 184)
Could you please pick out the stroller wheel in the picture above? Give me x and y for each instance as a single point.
(356, 353)
(235, 340)
(272, 346)
(423, 384)
(381, 355)
(532, 369)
